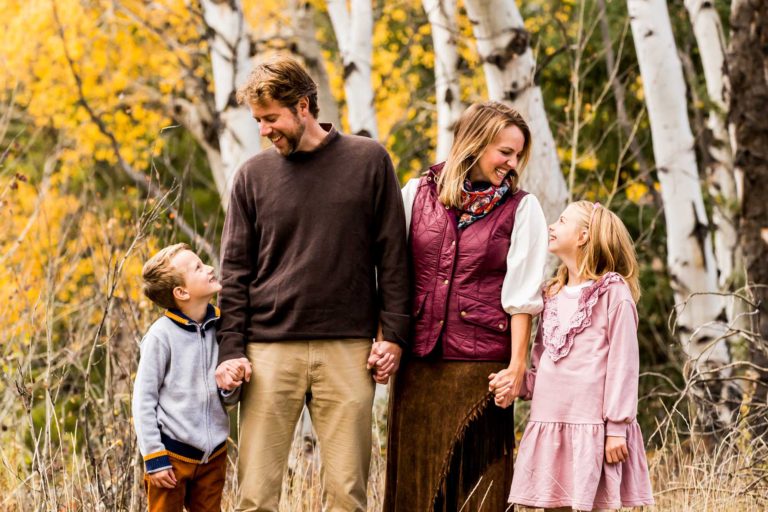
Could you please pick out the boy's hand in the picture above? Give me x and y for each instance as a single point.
(232, 372)
(164, 478)
(615, 449)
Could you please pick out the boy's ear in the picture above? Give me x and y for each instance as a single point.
(181, 294)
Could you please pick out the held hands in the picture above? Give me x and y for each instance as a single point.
(615, 449)
(384, 360)
(506, 384)
(231, 373)
(164, 478)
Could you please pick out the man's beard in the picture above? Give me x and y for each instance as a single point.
(293, 139)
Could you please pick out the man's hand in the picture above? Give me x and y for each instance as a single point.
(164, 478)
(615, 449)
(385, 360)
(232, 372)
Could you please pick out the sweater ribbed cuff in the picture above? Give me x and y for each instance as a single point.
(155, 462)
(395, 327)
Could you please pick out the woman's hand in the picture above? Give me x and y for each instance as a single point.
(615, 449)
(506, 384)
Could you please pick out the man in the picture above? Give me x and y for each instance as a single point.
(313, 268)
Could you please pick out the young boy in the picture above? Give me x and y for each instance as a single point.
(180, 421)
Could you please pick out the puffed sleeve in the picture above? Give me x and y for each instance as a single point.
(409, 195)
(526, 260)
(623, 370)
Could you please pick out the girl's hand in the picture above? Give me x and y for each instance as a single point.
(615, 449)
(506, 384)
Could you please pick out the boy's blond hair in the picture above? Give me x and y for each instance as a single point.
(160, 277)
(609, 248)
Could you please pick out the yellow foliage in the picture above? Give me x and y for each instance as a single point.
(57, 255)
(126, 71)
(636, 192)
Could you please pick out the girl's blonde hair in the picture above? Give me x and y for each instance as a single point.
(609, 248)
(477, 128)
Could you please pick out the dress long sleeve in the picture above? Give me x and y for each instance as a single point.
(623, 369)
(529, 379)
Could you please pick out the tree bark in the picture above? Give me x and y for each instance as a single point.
(690, 258)
(354, 34)
(719, 165)
(309, 50)
(231, 63)
(748, 109)
(442, 19)
(503, 44)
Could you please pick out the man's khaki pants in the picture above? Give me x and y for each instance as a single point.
(341, 388)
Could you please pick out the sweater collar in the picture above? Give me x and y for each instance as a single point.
(212, 314)
(332, 135)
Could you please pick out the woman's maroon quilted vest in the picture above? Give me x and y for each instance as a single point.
(458, 275)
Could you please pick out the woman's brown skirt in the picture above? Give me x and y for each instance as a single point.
(449, 446)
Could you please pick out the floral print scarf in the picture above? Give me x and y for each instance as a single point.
(476, 204)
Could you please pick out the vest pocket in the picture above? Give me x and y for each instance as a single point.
(481, 313)
(418, 305)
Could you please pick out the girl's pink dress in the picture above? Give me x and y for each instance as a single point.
(583, 383)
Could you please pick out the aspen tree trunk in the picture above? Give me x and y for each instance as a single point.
(354, 33)
(619, 96)
(503, 44)
(719, 167)
(231, 63)
(442, 19)
(690, 258)
(748, 115)
(309, 50)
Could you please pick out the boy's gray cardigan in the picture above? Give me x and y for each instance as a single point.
(177, 410)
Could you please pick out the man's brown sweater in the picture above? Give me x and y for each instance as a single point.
(314, 247)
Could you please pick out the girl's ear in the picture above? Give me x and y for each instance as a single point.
(180, 293)
(583, 237)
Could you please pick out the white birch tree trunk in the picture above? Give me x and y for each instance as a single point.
(354, 33)
(721, 180)
(442, 19)
(231, 63)
(503, 44)
(309, 49)
(690, 258)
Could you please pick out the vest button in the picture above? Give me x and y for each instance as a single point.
(501, 326)
(445, 282)
(463, 313)
(441, 322)
(453, 243)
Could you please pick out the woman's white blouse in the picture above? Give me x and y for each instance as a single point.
(526, 259)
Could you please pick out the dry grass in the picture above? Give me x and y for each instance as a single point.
(67, 443)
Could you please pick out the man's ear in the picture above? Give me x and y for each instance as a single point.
(303, 105)
(180, 293)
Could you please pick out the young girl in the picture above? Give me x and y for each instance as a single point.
(582, 448)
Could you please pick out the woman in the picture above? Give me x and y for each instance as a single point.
(478, 247)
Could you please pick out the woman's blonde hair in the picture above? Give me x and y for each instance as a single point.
(609, 248)
(475, 130)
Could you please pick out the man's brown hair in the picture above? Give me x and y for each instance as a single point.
(281, 79)
(160, 277)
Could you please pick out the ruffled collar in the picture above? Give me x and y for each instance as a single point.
(558, 338)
